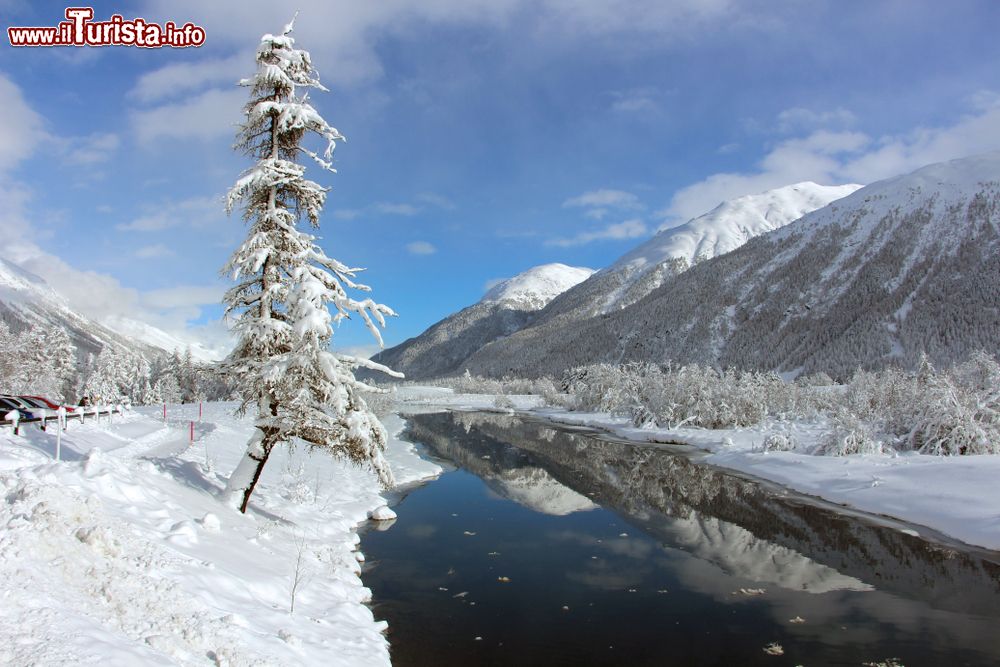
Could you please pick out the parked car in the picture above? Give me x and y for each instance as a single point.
(10, 403)
(42, 402)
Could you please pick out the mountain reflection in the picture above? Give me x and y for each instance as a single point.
(729, 522)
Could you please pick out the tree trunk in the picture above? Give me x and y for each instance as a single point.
(244, 479)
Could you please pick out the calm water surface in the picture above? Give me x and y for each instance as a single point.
(545, 546)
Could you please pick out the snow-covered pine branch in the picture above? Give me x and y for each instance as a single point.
(289, 293)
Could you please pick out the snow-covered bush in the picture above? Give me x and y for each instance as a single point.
(687, 395)
(474, 384)
(850, 435)
(779, 442)
(503, 402)
(930, 411)
(960, 411)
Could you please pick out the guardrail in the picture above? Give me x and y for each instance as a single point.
(60, 416)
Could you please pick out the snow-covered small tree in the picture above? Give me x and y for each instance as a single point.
(282, 365)
(62, 353)
(166, 389)
(112, 378)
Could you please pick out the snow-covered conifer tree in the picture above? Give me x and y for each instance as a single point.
(282, 365)
(60, 349)
(166, 389)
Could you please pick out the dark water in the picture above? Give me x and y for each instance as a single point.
(625, 555)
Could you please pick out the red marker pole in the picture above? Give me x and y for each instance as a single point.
(199, 410)
(164, 413)
(192, 432)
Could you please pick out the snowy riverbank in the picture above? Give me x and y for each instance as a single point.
(954, 495)
(122, 554)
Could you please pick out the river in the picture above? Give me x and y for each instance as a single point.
(553, 546)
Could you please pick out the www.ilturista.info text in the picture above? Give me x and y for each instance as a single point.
(80, 30)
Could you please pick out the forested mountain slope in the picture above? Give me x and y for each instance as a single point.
(903, 266)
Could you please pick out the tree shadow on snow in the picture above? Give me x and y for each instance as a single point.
(192, 475)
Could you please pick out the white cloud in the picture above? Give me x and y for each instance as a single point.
(195, 212)
(177, 79)
(94, 294)
(208, 115)
(90, 150)
(604, 198)
(635, 100)
(183, 296)
(346, 213)
(21, 128)
(798, 119)
(830, 158)
(154, 251)
(388, 208)
(436, 200)
(491, 283)
(362, 351)
(629, 229)
(343, 35)
(420, 248)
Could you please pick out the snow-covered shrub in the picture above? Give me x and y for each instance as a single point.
(930, 411)
(502, 402)
(820, 379)
(959, 414)
(850, 435)
(779, 442)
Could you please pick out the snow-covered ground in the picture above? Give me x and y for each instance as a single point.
(121, 554)
(958, 496)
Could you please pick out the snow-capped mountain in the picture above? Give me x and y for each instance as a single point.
(26, 299)
(505, 309)
(536, 287)
(674, 250)
(723, 229)
(146, 333)
(903, 266)
(553, 296)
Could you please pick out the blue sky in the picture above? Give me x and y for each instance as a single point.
(484, 136)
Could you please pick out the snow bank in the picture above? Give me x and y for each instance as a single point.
(122, 553)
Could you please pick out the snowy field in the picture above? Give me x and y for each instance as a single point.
(958, 496)
(121, 554)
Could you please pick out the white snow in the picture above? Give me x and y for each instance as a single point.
(122, 554)
(732, 223)
(723, 229)
(382, 513)
(535, 288)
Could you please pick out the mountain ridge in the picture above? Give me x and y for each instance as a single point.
(904, 266)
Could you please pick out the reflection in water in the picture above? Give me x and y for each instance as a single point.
(733, 522)
(708, 551)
